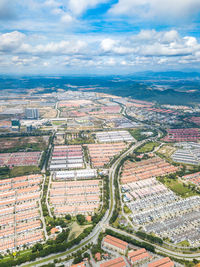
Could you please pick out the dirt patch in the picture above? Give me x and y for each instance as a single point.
(14, 144)
(76, 230)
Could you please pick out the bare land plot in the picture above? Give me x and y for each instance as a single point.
(48, 113)
(30, 143)
(76, 230)
(167, 150)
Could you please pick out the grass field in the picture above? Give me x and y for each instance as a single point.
(58, 123)
(126, 209)
(76, 230)
(136, 133)
(23, 170)
(184, 243)
(178, 187)
(148, 147)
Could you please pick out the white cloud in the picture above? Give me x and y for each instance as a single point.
(17, 43)
(51, 3)
(62, 47)
(11, 41)
(23, 61)
(154, 9)
(152, 43)
(67, 19)
(108, 44)
(147, 48)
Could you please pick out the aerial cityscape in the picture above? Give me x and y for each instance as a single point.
(99, 133)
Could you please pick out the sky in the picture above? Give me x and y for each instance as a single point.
(98, 36)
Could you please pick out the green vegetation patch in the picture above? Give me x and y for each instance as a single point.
(58, 123)
(149, 237)
(178, 187)
(184, 243)
(82, 137)
(148, 147)
(139, 135)
(126, 209)
(76, 230)
(6, 172)
(23, 170)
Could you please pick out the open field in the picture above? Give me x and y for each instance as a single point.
(148, 147)
(31, 143)
(48, 113)
(184, 243)
(79, 138)
(58, 123)
(23, 170)
(167, 150)
(5, 172)
(178, 187)
(76, 230)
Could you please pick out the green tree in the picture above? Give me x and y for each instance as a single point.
(80, 218)
(68, 217)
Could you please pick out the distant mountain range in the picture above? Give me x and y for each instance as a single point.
(171, 87)
(167, 75)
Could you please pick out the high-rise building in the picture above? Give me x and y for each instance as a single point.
(31, 113)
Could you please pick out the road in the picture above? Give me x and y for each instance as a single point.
(175, 254)
(58, 111)
(93, 236)
(104, 223)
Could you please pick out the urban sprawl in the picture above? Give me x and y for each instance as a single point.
(91, 179)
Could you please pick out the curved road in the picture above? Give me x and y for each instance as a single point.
(104, 223)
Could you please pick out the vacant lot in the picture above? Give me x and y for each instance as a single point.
(148, 147)
(16, 144)
(48, 113)
(178, 187)
(76, 230)
(167, 150)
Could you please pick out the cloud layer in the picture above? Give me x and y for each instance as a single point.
(156, 9)
(98, 35)
(147, 48)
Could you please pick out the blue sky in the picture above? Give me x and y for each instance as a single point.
(98, 36)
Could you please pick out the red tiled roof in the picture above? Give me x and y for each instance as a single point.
(115, 242)
(164, 262)
(118, 262)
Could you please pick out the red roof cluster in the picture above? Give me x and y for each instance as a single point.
(168, 111)
(182, 135)
(164, 262)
